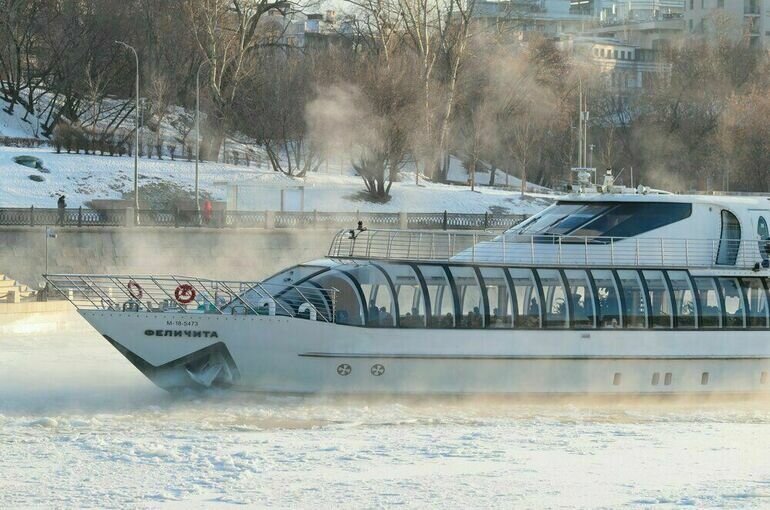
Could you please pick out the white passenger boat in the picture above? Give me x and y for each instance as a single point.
(609, 292)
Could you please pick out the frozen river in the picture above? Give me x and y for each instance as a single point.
(80, 427)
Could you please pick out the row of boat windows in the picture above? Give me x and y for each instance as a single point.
(447, 296)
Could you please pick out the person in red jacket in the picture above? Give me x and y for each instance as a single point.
(208, 210)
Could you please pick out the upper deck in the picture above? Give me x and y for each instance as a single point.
(601, 230)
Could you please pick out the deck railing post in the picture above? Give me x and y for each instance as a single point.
(585, 244)
(444, 223)
(505, 258)
(558, 253)
(637, 251)
(473, 249)
(662, 252)
(612, 250)
(532, 249)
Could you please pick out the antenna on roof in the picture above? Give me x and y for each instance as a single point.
(586, 176)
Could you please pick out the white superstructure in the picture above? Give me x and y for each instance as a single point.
(601, 293)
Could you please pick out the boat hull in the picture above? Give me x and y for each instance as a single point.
(289, 355)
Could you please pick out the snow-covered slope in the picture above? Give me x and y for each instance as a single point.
(82, 178)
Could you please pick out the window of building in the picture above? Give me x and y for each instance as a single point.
(692, 6)
(720, 4)
(702, 4)
(581, 299)
(411, 303)
(607, 294)
(756, 302)
(528, 308)
(689, 23)
(660, 312)
(471, 312)
(498, 296)
(634, 304)
(734, 307)
(730, 239)
(381, 307)
(442, 305)
(555, 305)
(684, 299)
(615, 53)
(709, 303)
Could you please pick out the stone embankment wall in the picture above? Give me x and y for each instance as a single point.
(216, 253)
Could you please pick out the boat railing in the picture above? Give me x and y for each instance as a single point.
(191, 295)
(566, 251)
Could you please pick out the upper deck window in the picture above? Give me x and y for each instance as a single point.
(604, 219)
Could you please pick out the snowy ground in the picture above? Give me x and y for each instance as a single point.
(79, 427)
(82, 178)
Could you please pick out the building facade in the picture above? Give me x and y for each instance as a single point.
(746, 20)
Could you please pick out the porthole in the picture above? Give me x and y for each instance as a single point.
(616, 379)
(656, 378)
(704, 378)
(667, 379)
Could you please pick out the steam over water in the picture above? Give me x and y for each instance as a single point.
(80, 427)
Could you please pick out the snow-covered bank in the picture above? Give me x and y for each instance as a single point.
(82, 178)
(80, 427)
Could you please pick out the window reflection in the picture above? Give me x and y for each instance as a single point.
(471, 312)
(411, 305)
(684, 299)
(581, 298)
(555, 305)
(608, 315)
(733, 302)
(634, 305)
(527, 298)
(659, 300)
(440, 293)
(381, 307)
(499, 297)
(708, 301)
(756, 303)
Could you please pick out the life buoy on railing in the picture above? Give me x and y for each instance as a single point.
(184, 293)
(311, 311)
(131, 306)
(135, 290)
(269, 303)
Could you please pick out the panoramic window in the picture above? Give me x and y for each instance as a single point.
(659, 300)
(528, 310)
(608, 315)
(381, 307)
(555, 306)
(733, 301)
(634, 309)
(411, 305)
(499, 297)
(442, 306)
(581, 299)
(633, 218)
(348, 308)
(756, 302)
(471, 312)
(684, 299)
(709, 303)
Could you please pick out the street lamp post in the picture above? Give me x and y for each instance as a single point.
(136, 143)
(198, 133)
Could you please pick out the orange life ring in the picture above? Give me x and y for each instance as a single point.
(184, 293)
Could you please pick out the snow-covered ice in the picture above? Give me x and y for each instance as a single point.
(80, 427)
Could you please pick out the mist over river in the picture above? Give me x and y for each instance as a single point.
(80, 427)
